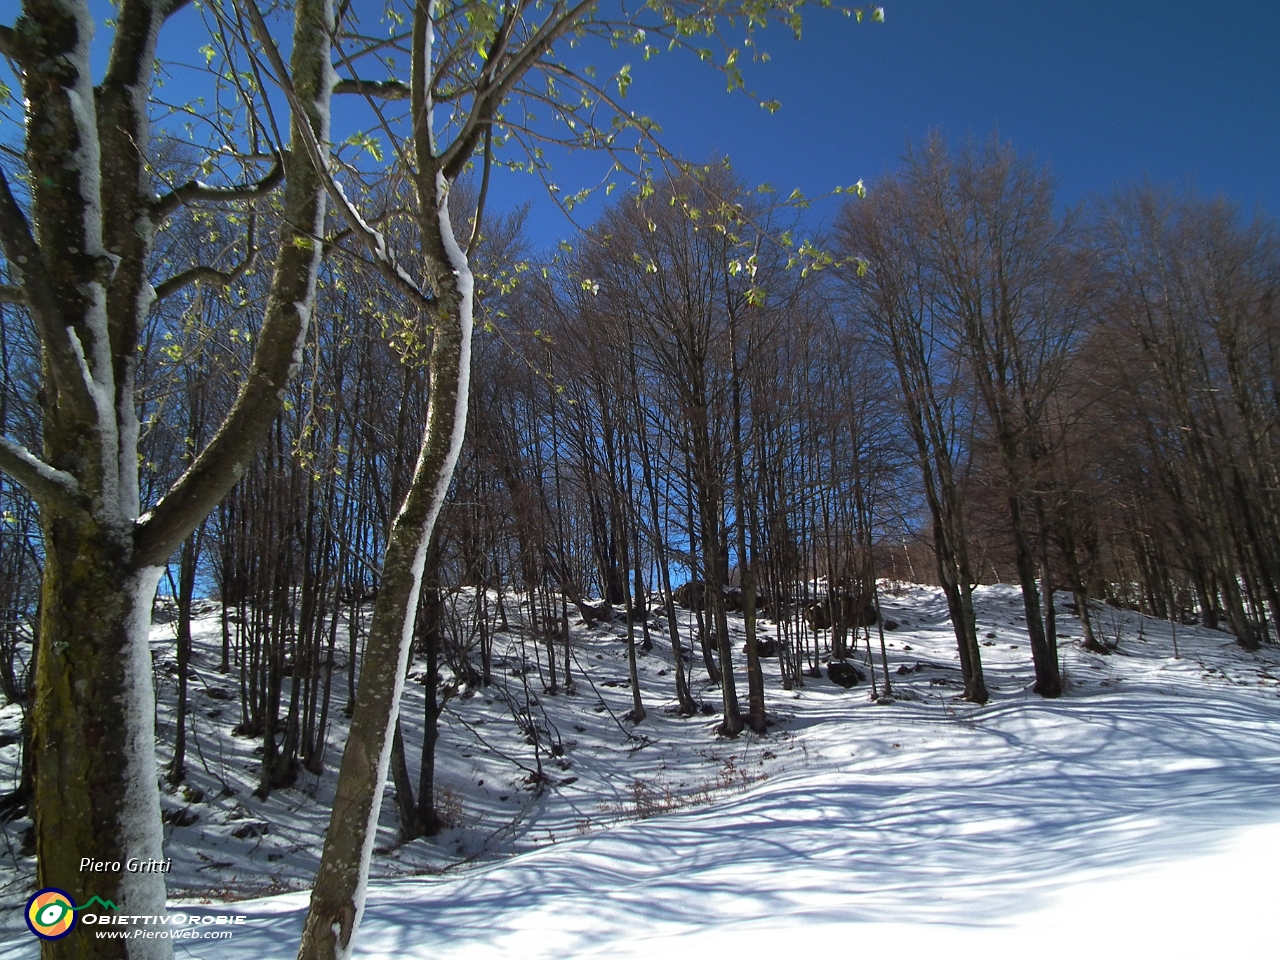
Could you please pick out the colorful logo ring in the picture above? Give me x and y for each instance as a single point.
(51, 913)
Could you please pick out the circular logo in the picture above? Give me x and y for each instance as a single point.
(51, 913)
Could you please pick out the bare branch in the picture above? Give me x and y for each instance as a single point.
(486, 102)
(180, 281)
(334, 243)
(372, 239)
(204, 274)
(55, 490)
(27, 263)
(194, 190)
(7, 46)
(484, 190)
(384, 89)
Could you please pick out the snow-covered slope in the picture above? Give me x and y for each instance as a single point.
(1139, 815)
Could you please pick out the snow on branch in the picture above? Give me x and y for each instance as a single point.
(53, 489)
(383, 259)
(194, 190)
(383, 89)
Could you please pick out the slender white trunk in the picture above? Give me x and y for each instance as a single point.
(338, 900)
(141, 830)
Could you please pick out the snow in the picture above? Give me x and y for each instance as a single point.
(352, 212)
(101, 389)
(48, 474)
(142, 893)
(139, 92)
(100, 382)
(80, 101)
(465, 283)
(466, 295)
(1136, 816)
(380, 251)
(324, 98)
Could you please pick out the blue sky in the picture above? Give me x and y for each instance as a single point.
(1105, 93)
(1186, 94)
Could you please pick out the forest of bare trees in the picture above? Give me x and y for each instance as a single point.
(980, 388)
(976, 386)
(284, 367)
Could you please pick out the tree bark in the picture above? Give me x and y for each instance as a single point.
(337, 901)
(93, 716)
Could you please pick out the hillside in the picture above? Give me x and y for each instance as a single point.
(1137, 814)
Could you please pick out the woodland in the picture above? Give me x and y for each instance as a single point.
(701, 406)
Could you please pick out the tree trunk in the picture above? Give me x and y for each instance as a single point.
(405, 802)
(187, 564)
(337, 901)
(94, 732)
(1044, 657)
(84, 257)
(428, 822)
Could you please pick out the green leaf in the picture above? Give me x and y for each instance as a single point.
(368, 143)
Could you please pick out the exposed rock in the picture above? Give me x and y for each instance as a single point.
(765, 647)
(596, 611)
(844, 673)
(844, 610)
(691, 595)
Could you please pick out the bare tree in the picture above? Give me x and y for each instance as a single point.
(1189, 326)
(1000, 255)
(892, 288)
(513, 44)
(77, 248)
